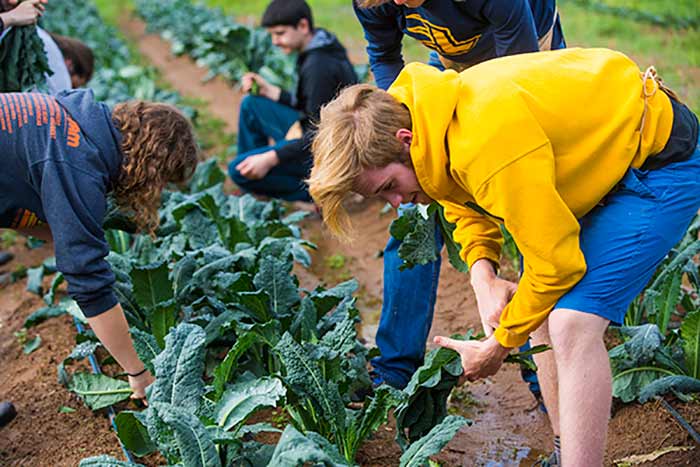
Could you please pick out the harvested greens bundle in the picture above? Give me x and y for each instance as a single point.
(23, 61)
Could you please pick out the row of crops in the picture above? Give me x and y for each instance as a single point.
(221, 45)
(218, 316)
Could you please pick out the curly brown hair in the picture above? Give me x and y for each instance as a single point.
(159, 147)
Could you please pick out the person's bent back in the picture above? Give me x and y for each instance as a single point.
(63, 156)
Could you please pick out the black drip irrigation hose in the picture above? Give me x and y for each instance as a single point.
(110, 410)
(679, 418)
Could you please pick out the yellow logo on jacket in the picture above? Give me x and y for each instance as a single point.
(439, 38)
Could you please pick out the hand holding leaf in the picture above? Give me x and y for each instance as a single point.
(479, 358)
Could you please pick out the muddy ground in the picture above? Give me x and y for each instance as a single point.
(508, 429)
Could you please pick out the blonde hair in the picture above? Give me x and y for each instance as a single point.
(158, 147)
(357, 131)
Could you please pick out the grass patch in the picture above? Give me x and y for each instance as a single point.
(112, 11)
(674, 52)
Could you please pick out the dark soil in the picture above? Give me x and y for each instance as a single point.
(41, 435)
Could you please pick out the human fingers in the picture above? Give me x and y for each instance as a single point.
(449, 343)
(139, 384)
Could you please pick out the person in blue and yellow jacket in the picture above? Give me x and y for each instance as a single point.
(459, 34)
(592, 165)
(62, 156)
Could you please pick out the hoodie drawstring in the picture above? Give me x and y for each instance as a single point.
(657, 83)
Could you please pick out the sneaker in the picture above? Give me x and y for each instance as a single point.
(551, 461)
(7, 413)
(5, 257)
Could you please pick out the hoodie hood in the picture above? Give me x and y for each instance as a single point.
(431, 97)
(324, 41)
(101, 132)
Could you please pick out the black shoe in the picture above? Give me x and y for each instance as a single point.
(7, 413)
(551, 461)
(5, 257)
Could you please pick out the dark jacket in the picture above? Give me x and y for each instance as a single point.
(465, 31)
(60, 158)
(323, 69)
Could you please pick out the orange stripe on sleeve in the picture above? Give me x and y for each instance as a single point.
(8, 113)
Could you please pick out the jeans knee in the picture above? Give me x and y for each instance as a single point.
(248, 103)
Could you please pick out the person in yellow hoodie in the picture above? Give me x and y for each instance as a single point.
(591, 165)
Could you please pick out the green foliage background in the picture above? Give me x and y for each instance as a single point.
(675, 53)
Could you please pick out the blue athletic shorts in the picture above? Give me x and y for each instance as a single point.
(625, 238)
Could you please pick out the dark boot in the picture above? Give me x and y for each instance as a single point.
(7, 413)
(5, 257)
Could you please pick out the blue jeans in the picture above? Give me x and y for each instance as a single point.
(261, 120)
(407, 313)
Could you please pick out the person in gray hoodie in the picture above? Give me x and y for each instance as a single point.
(323, 69)
(63, 155)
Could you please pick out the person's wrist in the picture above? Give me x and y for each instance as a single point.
(7, 20)
(273, 92)
(496, 348)
(136, 374)
(272, 158)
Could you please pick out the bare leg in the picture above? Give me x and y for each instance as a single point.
(547, 375)
(585, 385)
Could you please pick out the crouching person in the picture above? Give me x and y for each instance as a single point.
(593, 167)
(62, 156)
(323, 68)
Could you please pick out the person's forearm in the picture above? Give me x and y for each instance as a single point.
(482, 271)
(273, 92)
(113, 331)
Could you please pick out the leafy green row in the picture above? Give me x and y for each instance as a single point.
(217, 315)
(217, 42)
(219, 318)
(117, 78)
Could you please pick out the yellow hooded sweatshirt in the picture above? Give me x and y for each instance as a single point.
(533, 141)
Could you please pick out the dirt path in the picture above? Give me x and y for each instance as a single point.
(184, 75)
(41, 435)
